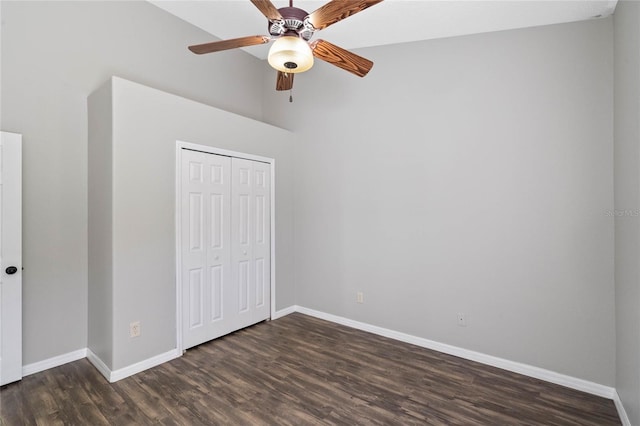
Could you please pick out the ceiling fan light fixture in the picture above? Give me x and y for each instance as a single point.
(290, 54)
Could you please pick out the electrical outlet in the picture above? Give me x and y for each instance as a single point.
(360, 297)
(134, 329)
(462, 320)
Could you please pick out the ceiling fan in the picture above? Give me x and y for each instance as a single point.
(292, 28)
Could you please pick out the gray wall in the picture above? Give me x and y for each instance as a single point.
(146, 125)
(54, 54)
(468, 174)
(627, 199)
(100, 225)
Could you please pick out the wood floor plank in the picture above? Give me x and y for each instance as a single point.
(300, 370)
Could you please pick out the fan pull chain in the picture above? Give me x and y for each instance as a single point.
(291, 95)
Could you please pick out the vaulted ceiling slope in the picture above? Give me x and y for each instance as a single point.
(392, 21)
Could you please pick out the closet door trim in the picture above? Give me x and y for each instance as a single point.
(180, 146)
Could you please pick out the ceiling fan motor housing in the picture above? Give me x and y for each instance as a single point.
(293, 20)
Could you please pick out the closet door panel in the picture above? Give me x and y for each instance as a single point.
(242, 234)
(261, 243)
(206, 246)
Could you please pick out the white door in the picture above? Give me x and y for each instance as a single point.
(250, 234)
(225, 269)
(10, 257)
(206, 246)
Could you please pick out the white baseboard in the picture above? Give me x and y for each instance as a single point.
(99, 364)
(516, 367)
(55, 361)
(130, 370)
(138, 367)
(622, 413)
(283, 312)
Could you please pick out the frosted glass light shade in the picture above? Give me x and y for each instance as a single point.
(290, 54)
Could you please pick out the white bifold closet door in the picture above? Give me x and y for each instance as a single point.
(226, 245)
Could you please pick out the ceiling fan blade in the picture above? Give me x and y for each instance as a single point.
(284, 81)
(268, 9)
(337, 10)
(341, 58)
(217, 46)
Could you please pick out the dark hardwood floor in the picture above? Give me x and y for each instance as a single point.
(300, 370)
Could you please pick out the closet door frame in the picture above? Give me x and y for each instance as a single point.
(180, 146)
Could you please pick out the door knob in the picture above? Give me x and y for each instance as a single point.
(11, 270)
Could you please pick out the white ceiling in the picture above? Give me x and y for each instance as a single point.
(389, 22)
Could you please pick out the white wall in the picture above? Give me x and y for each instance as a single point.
(54, 54)
(627, 199)
(468, 174)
